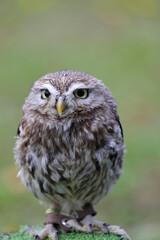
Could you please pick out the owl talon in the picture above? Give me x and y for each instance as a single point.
(100, 227)
(106, 225)
(49, 231)
(57, 237)
(36, 237)
(91, 227)
(119, 231)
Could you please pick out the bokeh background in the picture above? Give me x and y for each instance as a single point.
(116, 41)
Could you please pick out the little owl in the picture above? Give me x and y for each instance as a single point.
(70, 150)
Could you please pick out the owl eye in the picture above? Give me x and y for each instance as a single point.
(45, 94)
(81, 93)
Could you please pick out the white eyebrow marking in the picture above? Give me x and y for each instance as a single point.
(50, 88)
(76, 86)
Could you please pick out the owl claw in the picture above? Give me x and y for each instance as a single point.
(119, 231)
(36, 237)
(100, 227)
(106, 225)
(92, 231)
(48, 232)
(57, 237)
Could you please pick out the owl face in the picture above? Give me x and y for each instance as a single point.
(66, 94)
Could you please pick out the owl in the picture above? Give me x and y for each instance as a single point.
(70, 149)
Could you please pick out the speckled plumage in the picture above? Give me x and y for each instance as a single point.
(75, 158)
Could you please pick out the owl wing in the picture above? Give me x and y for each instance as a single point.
(18, 130)
(119, 123)
(116, 154)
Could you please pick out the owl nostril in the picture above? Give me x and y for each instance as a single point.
(58, 96)
(63, 97)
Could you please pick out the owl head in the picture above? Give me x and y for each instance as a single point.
(68, 95)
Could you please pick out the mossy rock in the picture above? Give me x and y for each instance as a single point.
(22, 235)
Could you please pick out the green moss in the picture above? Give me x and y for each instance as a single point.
(21, 235)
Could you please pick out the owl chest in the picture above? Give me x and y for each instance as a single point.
(73, 160)
(75, 163)
(69, 164)
(75, 174)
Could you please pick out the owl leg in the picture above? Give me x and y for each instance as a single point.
(50, 229)
(75, 222)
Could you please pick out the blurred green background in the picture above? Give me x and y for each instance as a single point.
(116, 41)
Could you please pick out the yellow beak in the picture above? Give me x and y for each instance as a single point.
(60, 106)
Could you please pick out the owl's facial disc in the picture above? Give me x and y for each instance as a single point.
(65, 103)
